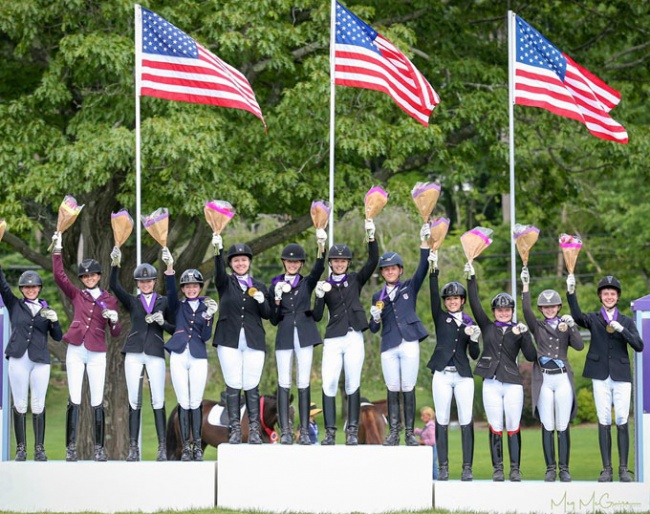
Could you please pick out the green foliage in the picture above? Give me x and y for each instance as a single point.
(586, 407)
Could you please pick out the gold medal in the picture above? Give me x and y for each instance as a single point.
(286, 287)
(563, 327)
(469, 330)
(515, 330)
(252, 291)
(610, 329)
(380, 305)
(327, 287)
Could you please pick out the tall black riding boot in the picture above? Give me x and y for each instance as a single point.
(184, 423)
(605, 443)
(135, 417)
(197, 425)
(38, 421)
(392, 401)
(514, 449)
(496, 452)
(354, 408)
(253, 408)
(329, 417)
(409, 418)
(20, 427)
(233, 406)
(548, 447)
(71, 425)
(623, 441)
(563, 451)
(442, 445)
(304, 402)
(467, 443)
(100, 431)
(160, 418)
(286, 437)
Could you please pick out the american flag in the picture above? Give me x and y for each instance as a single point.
(175, 67)
(547, 78)
(366, 59)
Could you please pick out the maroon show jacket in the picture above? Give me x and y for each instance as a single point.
(88, 326)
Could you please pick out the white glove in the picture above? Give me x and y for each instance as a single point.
(321, 236)
(167, 257)
(568, 319)
(571, 283)
(476, 333)
(320, 292)
(110, 315)
(278, 290)
(116, 256)
(433, 258)
(370, 229)
(157, 317)
(469, 270)
(57, 242)
(212, 307)
(616, 326)
(51, 315)
(522, 328)
(217, 243)
(525, 276)
(258, 297)
(375, 312)
(425, 232)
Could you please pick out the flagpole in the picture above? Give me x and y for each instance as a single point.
(332, 115)
(511, 114)
(138, 75)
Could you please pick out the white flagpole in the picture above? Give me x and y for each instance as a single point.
(138, 75)
(332, 116)
(511, 103)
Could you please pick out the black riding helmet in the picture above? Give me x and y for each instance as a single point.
(293, 252)
(191, 276)
(239, 249)
(88, 267)
(609, 282)
(453, 289)
(503, 301)
(145, 272)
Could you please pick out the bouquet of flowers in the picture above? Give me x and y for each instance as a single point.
(475, 241)
(320, 215)
(375, 200)
(525, 237)
(570, 246)
(157, 224)
(3, 227)
(425, 195)
(68, 212)
(439, 228)
(122, 224)
(218, 213)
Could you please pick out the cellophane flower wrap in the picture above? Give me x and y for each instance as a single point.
(3, 227)
(525, 237)
(218, 214)
(122, 224)
(157, 224)
(375, 200)
(439, 229)
(68, 212)
(570, 246)
(320, 215)
(425, 195)
(475, 241)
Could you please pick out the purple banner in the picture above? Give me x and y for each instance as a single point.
(2, 352)
(645, 356)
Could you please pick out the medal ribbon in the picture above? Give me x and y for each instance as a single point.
(384, 291)
(245, 282)
(148, 308)
(606, 317)
(42, 303)
(502, 324)
(332, 281)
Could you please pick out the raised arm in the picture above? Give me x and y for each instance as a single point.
(481, 318)
(60, 277)
(116, 287)
(421, 271)
(8, 297)
(371, 264)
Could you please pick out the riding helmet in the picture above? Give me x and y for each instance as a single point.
(30, 278)
(88, 267)
(502, 301)
(191, 276)
(293, 252)
(239, 249)
(549, 298)
(453, 289)
(145, 272)
(340, 251)
(391, 259)
(609, 282)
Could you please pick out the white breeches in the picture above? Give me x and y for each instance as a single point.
(400, 366)
(242, 366)
(78, 359)
(189, 376)
(346, 352)
(448, 384)
(284, 359)
(23, 375)
(608, 392)
(555, 402)
(500, 398)
(134, 366)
